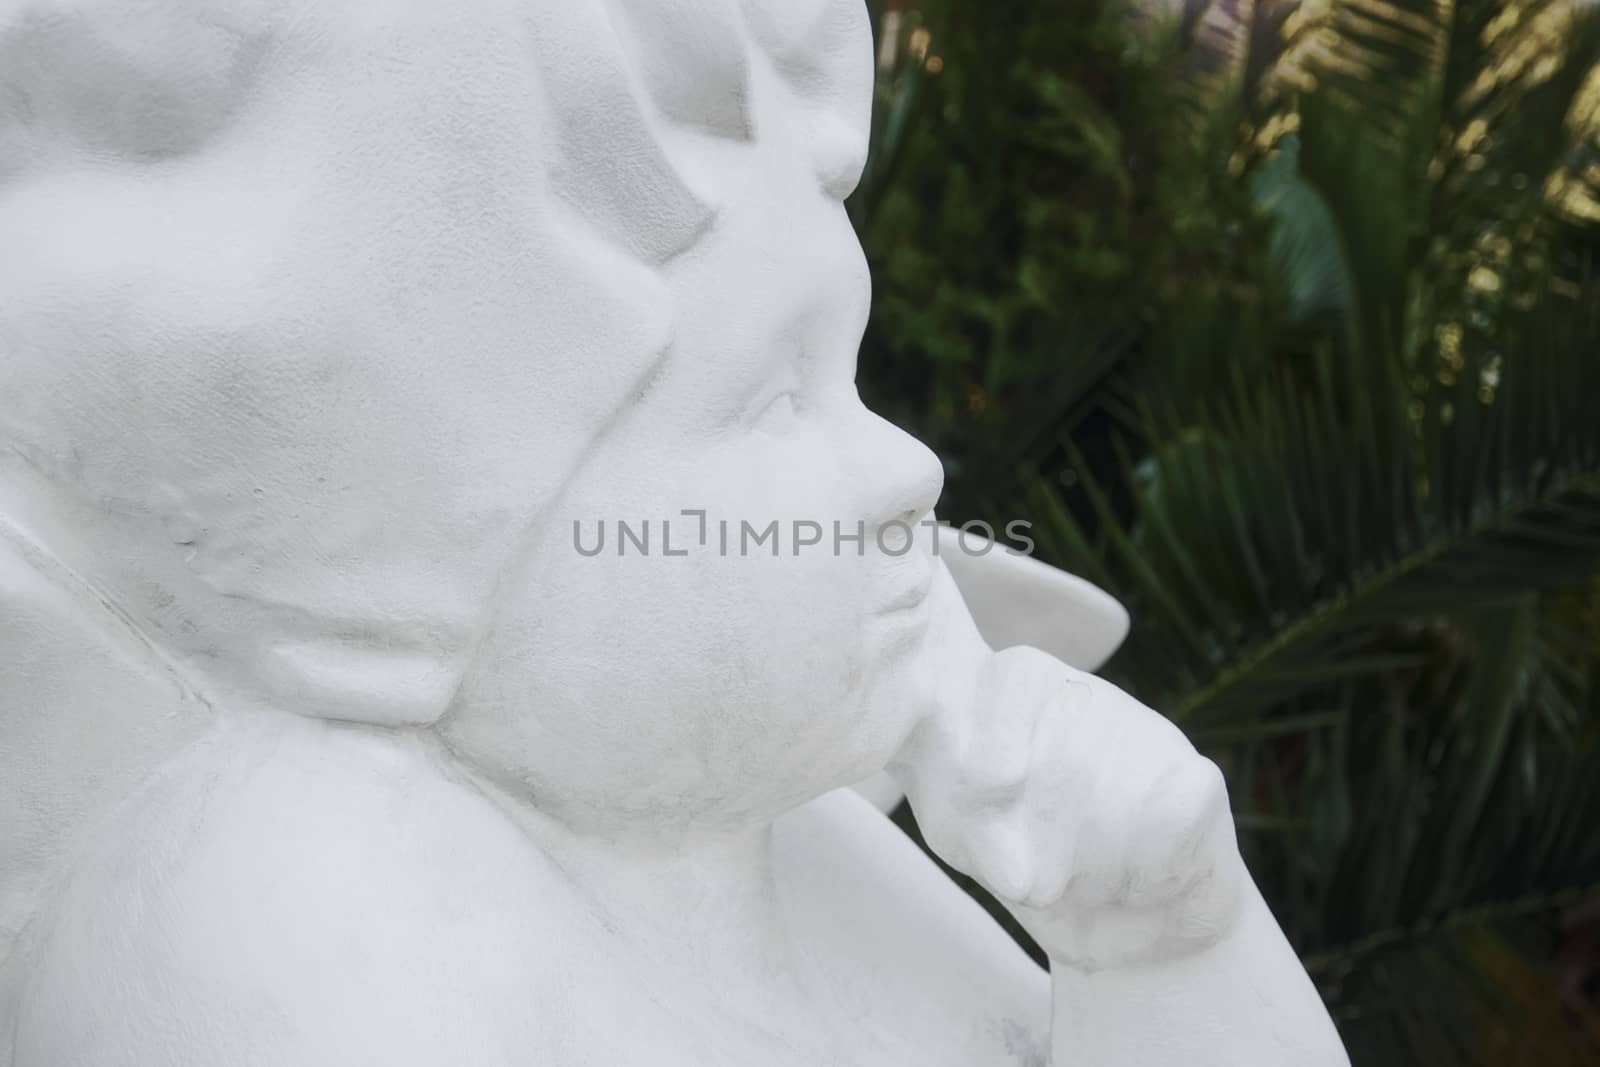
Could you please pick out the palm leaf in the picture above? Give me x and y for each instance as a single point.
(1271, 549)
(1486, 990)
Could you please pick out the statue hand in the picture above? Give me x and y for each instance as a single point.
(1089, 815)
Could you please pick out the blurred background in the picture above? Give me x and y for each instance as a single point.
(1279, 321)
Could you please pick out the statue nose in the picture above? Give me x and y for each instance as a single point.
(905, 477)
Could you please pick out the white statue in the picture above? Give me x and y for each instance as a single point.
(331, 336)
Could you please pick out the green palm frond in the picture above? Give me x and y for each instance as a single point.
(1377, 57)
(1364, 616)
(1467, 869)
(1492, 990)
(1437, 130)
(1297, 357)
(1270, 546)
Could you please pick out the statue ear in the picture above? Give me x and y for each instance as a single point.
(88, 711)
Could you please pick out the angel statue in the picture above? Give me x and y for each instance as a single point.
(331, 335)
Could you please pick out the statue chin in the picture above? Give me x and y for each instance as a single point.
(328, 735)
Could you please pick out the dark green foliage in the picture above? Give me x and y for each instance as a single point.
(1280, 325)
(1027, 198)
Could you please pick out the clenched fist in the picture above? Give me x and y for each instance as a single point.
(1089, 815)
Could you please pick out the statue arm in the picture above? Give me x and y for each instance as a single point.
(1110, 838)
(1244, 1001)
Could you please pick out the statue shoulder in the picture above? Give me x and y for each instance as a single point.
(308, 894)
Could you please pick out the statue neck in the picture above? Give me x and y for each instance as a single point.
(692, 903)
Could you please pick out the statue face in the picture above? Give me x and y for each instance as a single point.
(348, 311)
(726, 681)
